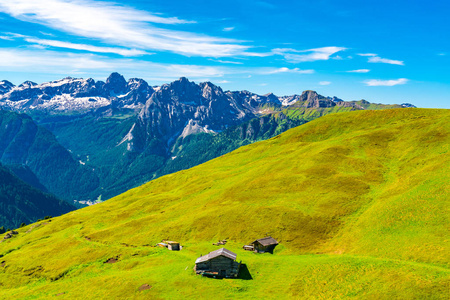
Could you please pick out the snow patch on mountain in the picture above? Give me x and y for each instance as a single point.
(68, 102)
(192, 127)
(58, 83)
(289, 100)
(128, 137)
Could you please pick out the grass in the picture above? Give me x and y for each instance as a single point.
(358, 202)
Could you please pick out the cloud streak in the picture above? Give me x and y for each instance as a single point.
(374, 58)
(67, 45)
(359, 71)
(392, 82)
(269, 71)
(298, 56)
(377, 59)
(64, 64)
(120, 25)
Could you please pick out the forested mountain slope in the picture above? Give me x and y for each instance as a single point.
(22, 203)
(23, 142)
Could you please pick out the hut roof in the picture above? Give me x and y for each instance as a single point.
(266, 241)
(211, 255)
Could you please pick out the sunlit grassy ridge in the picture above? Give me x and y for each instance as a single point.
(358, 202)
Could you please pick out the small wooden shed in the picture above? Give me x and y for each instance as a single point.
(174, 246)
(266, 244)
(220, 263)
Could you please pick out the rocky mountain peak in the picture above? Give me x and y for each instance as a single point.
(181, 84)
(309, 95)
(28, 84)
(139, 85)
(408, 105)
(313, 100)
(210, 91)
(181, 90)
(272, 98)
(335, 99)
(5, 86)
(116, 83)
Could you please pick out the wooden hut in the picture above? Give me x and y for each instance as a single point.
(220, 263)
(266, 244)
(174, 246)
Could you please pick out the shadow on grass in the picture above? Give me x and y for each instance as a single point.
(244, 273)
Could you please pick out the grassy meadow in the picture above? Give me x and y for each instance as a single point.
(357, 200)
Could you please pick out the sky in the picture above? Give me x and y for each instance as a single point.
(382, 51)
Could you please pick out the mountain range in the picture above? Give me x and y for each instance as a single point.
(80, 95)
(114, 135)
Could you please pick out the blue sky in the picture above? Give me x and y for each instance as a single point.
(382, 51)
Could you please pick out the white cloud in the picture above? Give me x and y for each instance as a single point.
(59, 44)
(359, 71)
(51, 62)
(10, 36)
(374, 58)
(6, 38)
(297, 56)
(325, 83)
(228, 29)
(367, 54)
(377, 59)
(46, 33)
(268, 71)
(40, 47)
(378, 82)
(95, 65)
(226, 61)
(120, 25)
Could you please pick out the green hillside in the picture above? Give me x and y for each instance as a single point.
(357, 200)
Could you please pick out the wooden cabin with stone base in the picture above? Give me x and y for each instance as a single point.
(266, 244)
(219, 263)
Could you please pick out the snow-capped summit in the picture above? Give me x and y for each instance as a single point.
(5, 86)
(75, 94)
(27, 84)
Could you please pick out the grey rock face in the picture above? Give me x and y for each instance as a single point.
(183, 107)
(313, 100)
(115, 84)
